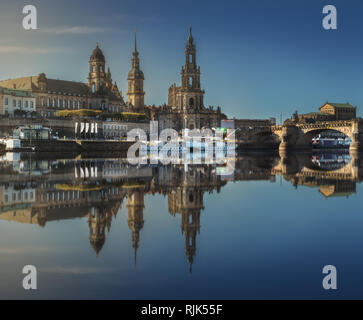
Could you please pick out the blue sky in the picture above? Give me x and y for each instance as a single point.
(258, 58)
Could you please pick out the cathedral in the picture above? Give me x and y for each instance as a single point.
(185, 107)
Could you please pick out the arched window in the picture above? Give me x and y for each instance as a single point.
(191, 198)
(191, 102)
(93, 68)
(93, 88)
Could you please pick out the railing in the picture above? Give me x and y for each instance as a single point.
(327, 124)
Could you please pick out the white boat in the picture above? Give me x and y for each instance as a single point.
(192, 145)
(11, 143)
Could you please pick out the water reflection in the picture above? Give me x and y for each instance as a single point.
(37, 191)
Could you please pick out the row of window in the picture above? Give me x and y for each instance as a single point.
(63, 103)
(19, 196)
(71, 104)
(61, 196)
(19, 103)
(71, 195)
(346, 110)
(114, 127)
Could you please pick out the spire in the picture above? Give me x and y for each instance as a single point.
(135, 72)
(190, 262)
(135, 54)
(135, 42)
(109, 76)
(190, 36)
(135, 255)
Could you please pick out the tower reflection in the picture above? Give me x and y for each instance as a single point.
(38, 191)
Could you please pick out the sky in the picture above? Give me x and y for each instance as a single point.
(258, 58)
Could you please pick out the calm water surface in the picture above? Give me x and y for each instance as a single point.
(102, 229)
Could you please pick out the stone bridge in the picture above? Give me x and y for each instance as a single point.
(257, 137)
(299, 136)
(301, 166)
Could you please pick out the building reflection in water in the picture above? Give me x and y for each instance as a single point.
(37, 191)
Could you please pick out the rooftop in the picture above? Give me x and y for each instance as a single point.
(339, 105)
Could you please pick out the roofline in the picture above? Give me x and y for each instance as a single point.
(332, 104)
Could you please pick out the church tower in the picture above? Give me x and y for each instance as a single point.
(192, 95)
(135, 93)
(97, 74)
(135, 207)
(193, 203)
(187, 100)
(97, 222)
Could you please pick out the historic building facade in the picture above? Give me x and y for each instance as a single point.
(100, 93)
(330, 111)
(13, 101)
(340, 111)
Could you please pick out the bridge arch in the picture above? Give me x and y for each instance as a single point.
(266, 137)
(306, 135)
(330, 162)
(257, 135)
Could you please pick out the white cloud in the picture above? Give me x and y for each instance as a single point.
(25, 250)
(74, 30)
(76, 270)
(27, 50)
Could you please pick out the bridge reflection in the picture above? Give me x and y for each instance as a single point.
(39, 191)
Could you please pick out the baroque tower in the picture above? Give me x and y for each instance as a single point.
(135, 207)
(135, 93)
(97, 222)
(193, 204)
(188, 98)
(192, 95)
(97, 74)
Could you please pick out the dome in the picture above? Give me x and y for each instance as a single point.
(97, 54)
(42, 76)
